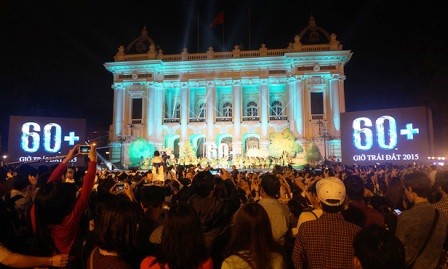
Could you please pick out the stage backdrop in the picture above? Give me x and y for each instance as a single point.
(399, 136)
(35, 138)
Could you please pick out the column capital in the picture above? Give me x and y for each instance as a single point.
(184, 84)
(264, 81)
(211, 83)
(294, 78)
(236, 82)
(158, 84)
(338, 77)
(291, 79)
(117, 86)
(149, 84)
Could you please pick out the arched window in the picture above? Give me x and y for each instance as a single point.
(276, 108)
(201, 110)
(252, 109)
(227, 109)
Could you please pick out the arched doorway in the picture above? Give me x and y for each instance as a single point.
(251, 142)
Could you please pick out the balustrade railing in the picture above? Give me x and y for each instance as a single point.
(223, 119)
(171, 120)
(251, 118)
(222, 55)
(283, 117)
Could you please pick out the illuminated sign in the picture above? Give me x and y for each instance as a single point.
(41, 138)
(402, 135)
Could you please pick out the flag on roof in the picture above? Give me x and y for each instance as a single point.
(219, 19)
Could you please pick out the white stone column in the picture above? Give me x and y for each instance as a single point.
(118, 109)
(184, 115)
(158, 114)
(292, 105)
(210, 145)
(150, 95)
(300, 109)
(236, 117)
(236, 109)
(334, 105)
(341, 94)
(210, 110)
(264, 102)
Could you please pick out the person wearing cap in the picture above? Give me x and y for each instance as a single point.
(279, 214)
(327, 241)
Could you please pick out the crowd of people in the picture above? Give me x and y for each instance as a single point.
(191, 216)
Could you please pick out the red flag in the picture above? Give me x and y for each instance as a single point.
(219, 19)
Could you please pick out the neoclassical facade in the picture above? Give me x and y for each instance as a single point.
(225, 103)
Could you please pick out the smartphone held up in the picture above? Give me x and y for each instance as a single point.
(84, 149)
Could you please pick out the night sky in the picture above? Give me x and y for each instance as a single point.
(52, 52)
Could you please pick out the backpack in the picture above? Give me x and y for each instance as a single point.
(18, 236)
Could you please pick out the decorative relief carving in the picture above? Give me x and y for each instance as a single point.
(137, 88)
(316, 80)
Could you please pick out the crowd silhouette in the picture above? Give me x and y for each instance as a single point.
(191, 216)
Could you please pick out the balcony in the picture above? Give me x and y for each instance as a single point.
(278, 117)
(171, 120)
(225, 119)
(251, 118)
(197, 119)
